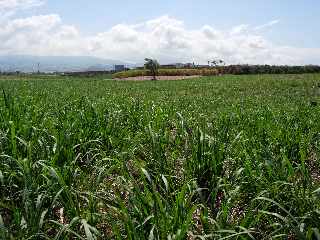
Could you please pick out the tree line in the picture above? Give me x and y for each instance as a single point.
(267, 69)
(152, 65)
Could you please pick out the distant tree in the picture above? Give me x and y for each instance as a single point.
(221, 62)
(214, 63)
(153, 66)
(218, 64)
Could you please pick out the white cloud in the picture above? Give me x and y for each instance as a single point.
(40, 35)
(164, 38)
(6, 5)
(9, 8)
(267, 25)
(241, 29)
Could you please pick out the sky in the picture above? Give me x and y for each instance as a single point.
(247, 31)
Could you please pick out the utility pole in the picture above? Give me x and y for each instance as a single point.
(38, 68)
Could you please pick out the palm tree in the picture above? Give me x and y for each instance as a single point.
(152, 65)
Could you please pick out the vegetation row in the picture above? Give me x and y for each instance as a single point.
(167, 72)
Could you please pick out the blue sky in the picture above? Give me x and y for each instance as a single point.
(298, 20)
(252, 31)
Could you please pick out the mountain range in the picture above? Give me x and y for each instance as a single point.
(27, 63)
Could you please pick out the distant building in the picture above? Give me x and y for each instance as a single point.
(173, 65)
(168, 66)
(119, 68)
(189, 65)
(179, 65)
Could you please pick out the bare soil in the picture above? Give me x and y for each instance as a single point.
(143, 78)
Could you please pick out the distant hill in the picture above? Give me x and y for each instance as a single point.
(26, 63)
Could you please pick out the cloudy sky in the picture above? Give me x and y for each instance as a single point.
(247, 31)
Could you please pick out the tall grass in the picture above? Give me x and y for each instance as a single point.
(234, 157)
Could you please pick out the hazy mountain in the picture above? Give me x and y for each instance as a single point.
(25, 63)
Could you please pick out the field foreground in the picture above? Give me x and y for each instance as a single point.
(232, 157)
(144, 78)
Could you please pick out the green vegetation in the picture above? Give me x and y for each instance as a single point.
(267, 69)
(167, 72)
(217, 67)
(231, 157)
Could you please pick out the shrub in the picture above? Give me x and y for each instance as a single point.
(167, 72)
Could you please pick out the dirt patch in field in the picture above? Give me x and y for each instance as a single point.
(143, 78)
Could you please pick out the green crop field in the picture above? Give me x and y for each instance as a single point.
(231, 157)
